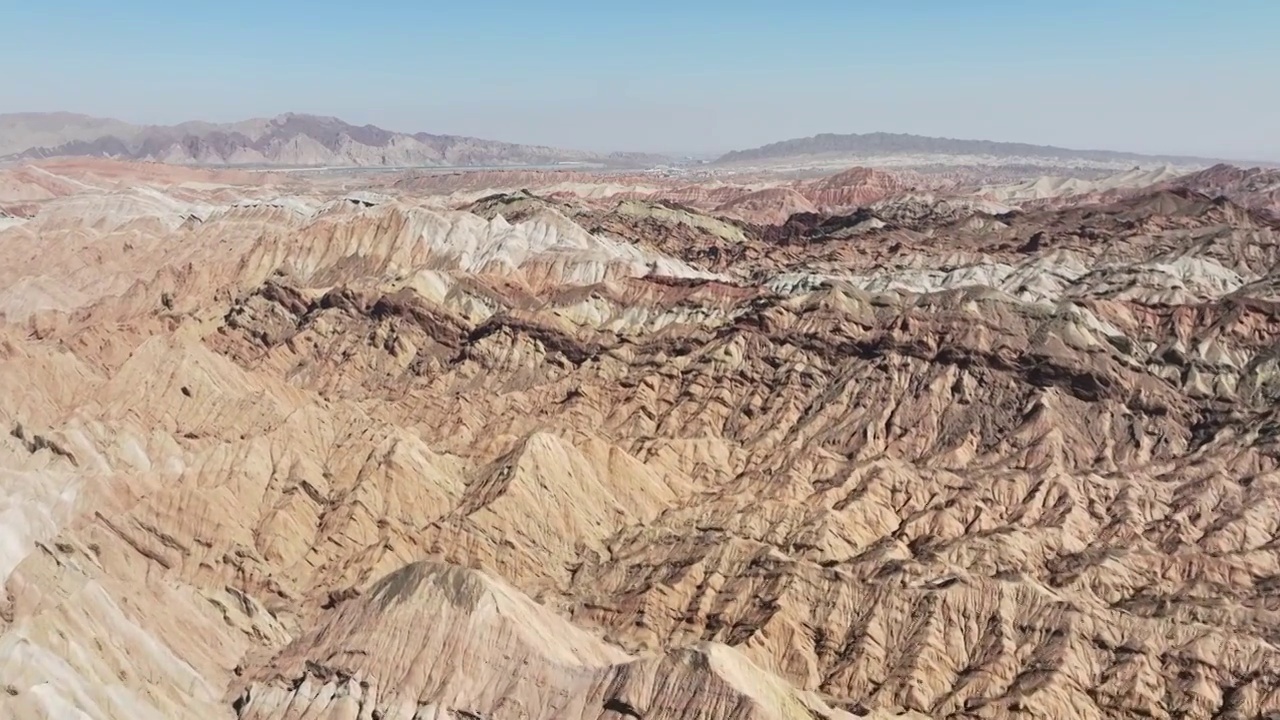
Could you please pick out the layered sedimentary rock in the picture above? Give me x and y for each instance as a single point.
(1257, 188)
(356, 455)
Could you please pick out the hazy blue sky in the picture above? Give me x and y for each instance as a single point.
(1172, 76)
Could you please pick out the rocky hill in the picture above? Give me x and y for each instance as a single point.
(1257, 188)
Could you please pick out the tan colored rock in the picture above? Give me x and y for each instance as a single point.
(313, 452)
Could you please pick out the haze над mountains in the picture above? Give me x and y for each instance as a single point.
(300, 140)
(288, 140)
(883, 144)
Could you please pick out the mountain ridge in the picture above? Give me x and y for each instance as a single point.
(885, 143)
(289, 139)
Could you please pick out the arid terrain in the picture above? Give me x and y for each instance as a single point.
(523, 445)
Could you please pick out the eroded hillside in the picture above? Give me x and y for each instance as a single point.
(274, 452)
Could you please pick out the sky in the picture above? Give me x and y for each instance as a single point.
(1159, 76)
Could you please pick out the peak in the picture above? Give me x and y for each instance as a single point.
(305, 117)
(461, 587)
(488, 658)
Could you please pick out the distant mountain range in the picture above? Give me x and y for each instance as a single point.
(880, 144)
(296, 140)
(291, 140)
